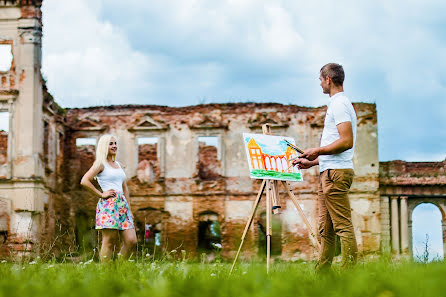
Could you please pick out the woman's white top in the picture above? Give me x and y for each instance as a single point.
(111, 178)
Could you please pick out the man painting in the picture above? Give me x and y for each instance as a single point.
(335, 160)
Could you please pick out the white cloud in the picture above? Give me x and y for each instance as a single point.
(88, 61)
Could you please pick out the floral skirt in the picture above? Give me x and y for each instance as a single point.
(114, 213)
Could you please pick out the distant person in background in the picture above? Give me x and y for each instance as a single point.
(335, 160)
(149, 234)
(113, 215)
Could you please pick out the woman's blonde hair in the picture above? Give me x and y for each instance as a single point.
(102, 150)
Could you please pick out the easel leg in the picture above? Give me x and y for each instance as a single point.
(248, 224)
(269, 194)
(299, 209)
(275, 202)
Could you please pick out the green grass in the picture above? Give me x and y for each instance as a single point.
(179, 278)
(274, 174)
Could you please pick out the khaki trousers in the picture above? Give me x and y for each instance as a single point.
(335, 217)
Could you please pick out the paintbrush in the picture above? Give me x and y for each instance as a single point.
(293, 147)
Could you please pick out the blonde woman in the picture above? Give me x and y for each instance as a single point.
(113, 215)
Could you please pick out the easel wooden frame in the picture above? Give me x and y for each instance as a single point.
(272, 201)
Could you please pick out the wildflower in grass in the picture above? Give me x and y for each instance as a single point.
(32, 262)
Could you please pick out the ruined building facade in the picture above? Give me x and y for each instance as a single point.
(187, 170)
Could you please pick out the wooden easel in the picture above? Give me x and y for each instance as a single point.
(272, 206)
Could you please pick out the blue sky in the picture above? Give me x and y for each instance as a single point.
(179, 53)
(426, 219)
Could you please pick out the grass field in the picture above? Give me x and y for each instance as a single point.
(274, 174)
(179, 278)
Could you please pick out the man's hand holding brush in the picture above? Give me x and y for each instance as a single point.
(303, 163)
(307, 159)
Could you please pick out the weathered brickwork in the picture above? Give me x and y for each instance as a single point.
(183, 177)
(403, 186)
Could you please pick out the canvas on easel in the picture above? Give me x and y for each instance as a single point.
(269, 157)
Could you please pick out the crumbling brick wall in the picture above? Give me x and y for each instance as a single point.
(191, 177)
(409, 184)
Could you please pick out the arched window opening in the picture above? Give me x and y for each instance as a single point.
(5, 57)
(209, 163)
(209, 233)
(149, 169)
(85, 156)
(427, 235)
(276, 238)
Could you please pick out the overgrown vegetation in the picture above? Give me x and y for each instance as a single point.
(149, 277)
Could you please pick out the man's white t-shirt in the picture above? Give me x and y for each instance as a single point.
(339, 110)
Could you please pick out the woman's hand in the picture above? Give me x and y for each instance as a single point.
(109, 194)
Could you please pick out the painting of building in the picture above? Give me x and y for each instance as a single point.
(269, 157)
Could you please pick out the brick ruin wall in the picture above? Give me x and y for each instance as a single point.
(410, 183)
(178, 181)
(412, 178)
(409, 173)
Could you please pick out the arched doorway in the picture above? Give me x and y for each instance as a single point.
(149, 228)
(427, 235)
(85, 233)
(209, 233)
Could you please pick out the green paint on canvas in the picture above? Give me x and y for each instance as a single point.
(257, 173)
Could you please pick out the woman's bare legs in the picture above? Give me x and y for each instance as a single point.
(109, 244)
(129, 243)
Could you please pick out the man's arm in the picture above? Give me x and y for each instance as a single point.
(344, 143)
